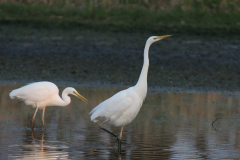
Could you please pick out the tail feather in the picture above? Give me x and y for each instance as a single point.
(94, 117)
(95, 114)
(13, 94)
(95, 120)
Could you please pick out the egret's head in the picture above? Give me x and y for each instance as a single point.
(153, 39)
(73, 91)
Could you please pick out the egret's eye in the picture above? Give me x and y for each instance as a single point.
(157, 38)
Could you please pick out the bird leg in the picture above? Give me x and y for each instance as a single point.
(121, 133)
(119, 141)
(34, 117)
(120, 137)
(43, 116)
(33, 139)
(108, 130)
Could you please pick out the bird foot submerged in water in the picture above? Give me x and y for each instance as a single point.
(119, 142)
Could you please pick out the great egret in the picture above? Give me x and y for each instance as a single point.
(43, 94)
(123, 107)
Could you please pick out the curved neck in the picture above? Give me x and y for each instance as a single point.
(65, 98)
(142, 81)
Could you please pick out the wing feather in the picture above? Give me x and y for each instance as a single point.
(35, 92)
(119, 109)
(114, 106)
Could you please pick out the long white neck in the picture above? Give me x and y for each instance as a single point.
(142, 81)
(65, 98)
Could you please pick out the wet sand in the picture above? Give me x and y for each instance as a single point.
(86, 57)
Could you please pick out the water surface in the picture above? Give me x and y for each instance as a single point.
(170, 125)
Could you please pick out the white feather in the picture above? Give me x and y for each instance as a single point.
(43, 94)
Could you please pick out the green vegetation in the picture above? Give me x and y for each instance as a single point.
(169, 16)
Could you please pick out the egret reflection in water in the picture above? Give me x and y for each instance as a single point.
(170, 125)
(38, 148)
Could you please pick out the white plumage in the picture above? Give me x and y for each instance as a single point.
(43, 94)
(37, 93)
(123, 107)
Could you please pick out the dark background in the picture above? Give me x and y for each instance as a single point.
(102, 43)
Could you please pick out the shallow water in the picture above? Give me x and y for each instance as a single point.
(170, 125)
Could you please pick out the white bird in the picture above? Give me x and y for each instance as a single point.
(43, 94)
(123, 107)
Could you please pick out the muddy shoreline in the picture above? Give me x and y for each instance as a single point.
(93, 58)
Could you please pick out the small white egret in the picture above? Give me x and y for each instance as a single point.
(43, 94)
(123, 107)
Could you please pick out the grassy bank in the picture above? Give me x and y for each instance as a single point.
(132, 16)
